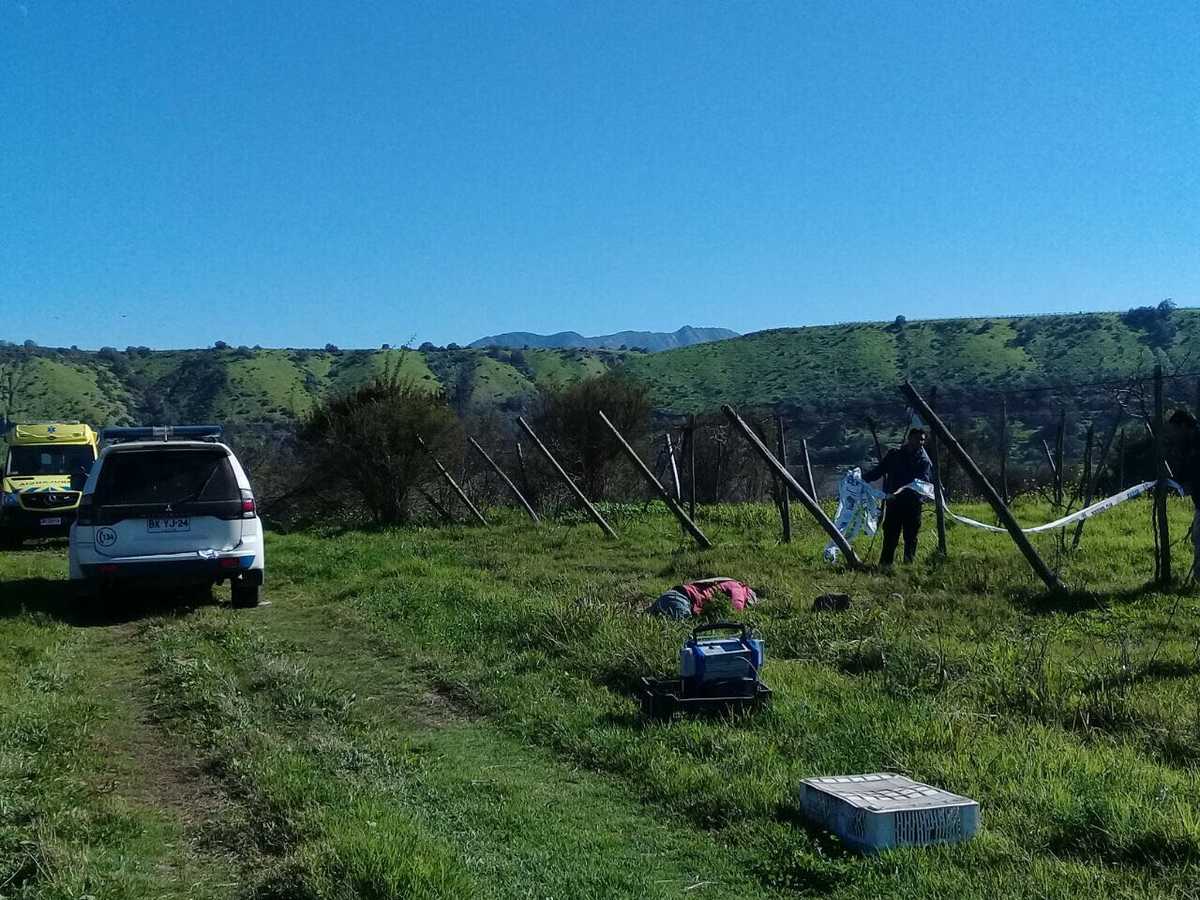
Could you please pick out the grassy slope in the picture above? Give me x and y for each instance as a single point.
(67, 389)
(829, 364)
(822, 366)
(274, 385)
(449, 712)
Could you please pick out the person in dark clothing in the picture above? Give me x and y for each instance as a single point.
(902, 513)
(1184, 438)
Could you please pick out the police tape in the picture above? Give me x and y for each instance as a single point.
(1079, 515)
(858, 507)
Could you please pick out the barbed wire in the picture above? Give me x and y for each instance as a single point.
(1065, 386)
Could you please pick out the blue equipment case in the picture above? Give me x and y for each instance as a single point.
(717, 674)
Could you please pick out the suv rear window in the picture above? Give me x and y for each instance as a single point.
(137, 477)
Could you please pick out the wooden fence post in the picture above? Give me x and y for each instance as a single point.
(1050, 462)
(441, 510)
(672, 504)
(1085, 477)
(809, 503)
(525, 480)
(674, 467)
(1004, 448)
(1163, 536)
(1097, 468)
(591, 510)
(450, 480)
(1019, 537)
(939, 494)
(1059, 475)
(512, 487)
(785, 503)
(808, 470)
(875, 435)
(1121, 454)
(691, 442)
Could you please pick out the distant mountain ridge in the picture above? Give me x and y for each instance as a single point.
(651, 341)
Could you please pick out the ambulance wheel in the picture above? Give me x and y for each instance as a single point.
(244, 593)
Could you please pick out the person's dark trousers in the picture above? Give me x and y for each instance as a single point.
(901, 515)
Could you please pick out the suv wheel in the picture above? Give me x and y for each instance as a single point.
(244, 594)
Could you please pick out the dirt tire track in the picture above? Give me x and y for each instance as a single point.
(151, 769)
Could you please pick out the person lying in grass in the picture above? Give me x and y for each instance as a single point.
(694, 598)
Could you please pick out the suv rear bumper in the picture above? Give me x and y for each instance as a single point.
(180, 567)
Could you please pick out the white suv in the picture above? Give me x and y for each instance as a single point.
(162, 505)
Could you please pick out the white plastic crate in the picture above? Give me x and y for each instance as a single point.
(882, 810)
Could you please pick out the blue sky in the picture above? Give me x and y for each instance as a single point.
(289, 174)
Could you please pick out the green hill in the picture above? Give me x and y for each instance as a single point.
(830, 364)
(825, 380)
(828, 381)
(239, 386)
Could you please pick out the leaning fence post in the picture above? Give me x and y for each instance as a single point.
(454, 484)
(1050, 462)
(1019, 537)
(674, 467)
(809, 503)
(672, 504)
(512, 487)
(591, 510)
(441, 510)
(785, 502)
(875, 435)
(526, 482)
(808, 470)
(1163, 534)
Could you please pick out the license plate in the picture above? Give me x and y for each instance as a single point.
(177, 523)
(51, 520)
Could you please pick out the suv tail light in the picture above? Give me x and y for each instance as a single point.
(249, 509)
(83, 515)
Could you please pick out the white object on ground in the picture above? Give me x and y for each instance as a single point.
(883, 810)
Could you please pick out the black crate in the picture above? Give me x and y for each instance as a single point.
(663, 697)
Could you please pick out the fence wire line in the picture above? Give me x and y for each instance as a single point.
(1070, 385)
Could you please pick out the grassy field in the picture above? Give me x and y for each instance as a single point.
(450, 713)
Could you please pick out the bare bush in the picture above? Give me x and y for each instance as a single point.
(367, 440)
(568, 419)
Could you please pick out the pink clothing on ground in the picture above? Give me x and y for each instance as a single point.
(740, 595)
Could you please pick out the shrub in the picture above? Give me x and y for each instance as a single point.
(569, 418)
(367, 440)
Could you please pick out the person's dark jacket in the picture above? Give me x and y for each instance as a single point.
(1188, 471)
(900, 466)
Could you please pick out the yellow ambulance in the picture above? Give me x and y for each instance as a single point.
(44, 472)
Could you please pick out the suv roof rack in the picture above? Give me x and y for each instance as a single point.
(121, 435)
